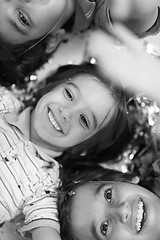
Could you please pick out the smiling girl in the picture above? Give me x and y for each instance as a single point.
(69, 115)
(104, 204)
(100, 115)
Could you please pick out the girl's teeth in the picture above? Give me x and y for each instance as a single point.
(140, 213)
(53, 121)
(138, 227)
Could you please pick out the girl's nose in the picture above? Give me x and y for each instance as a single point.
(64, 112)
(123, 212)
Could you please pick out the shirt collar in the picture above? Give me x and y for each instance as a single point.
(23, 122)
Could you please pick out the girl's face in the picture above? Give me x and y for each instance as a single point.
(71, 113)
(25, 20)
(114, 211)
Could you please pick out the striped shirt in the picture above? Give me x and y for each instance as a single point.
(28, 177)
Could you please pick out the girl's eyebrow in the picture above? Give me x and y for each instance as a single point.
(94, 120)
(98, 189)
(93, 115)
(93, 228)
(74, 85)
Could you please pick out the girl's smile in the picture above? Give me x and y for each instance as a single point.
(53, 121)
(141, 215)
(114, 211)
(71, 113)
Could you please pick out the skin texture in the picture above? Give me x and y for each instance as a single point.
(80, 107)
(25, 20)
(109, 210)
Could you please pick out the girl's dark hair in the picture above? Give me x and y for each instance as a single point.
(70, 182)
(108, 142)
(16, 64)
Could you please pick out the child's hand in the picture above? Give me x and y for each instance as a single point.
(128, 62)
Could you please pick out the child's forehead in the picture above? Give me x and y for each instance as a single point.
(88, 77)
(82, 75)
(81, 185)
(82, 80)
(93, 184)
(102, 183)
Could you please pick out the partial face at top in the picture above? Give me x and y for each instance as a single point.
(115, 211)
(71, 113)
(25, 20)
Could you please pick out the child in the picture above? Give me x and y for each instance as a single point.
(33, 20)
(31, 30)
(105, 204)
(106, 146)
(138, 15)
(76, 109)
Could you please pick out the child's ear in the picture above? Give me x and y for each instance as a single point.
(55, 40)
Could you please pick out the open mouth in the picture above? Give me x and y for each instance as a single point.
(53, 121)
(141, 215)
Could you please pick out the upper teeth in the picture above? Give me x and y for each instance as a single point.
(53, 121)
(140, 211)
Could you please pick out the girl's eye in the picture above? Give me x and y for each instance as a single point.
(69, 94)
(104, 228)
(84, 121)
(108, 195)
(22, 18)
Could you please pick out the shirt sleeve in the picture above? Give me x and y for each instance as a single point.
(40, 210)
(9, 102)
